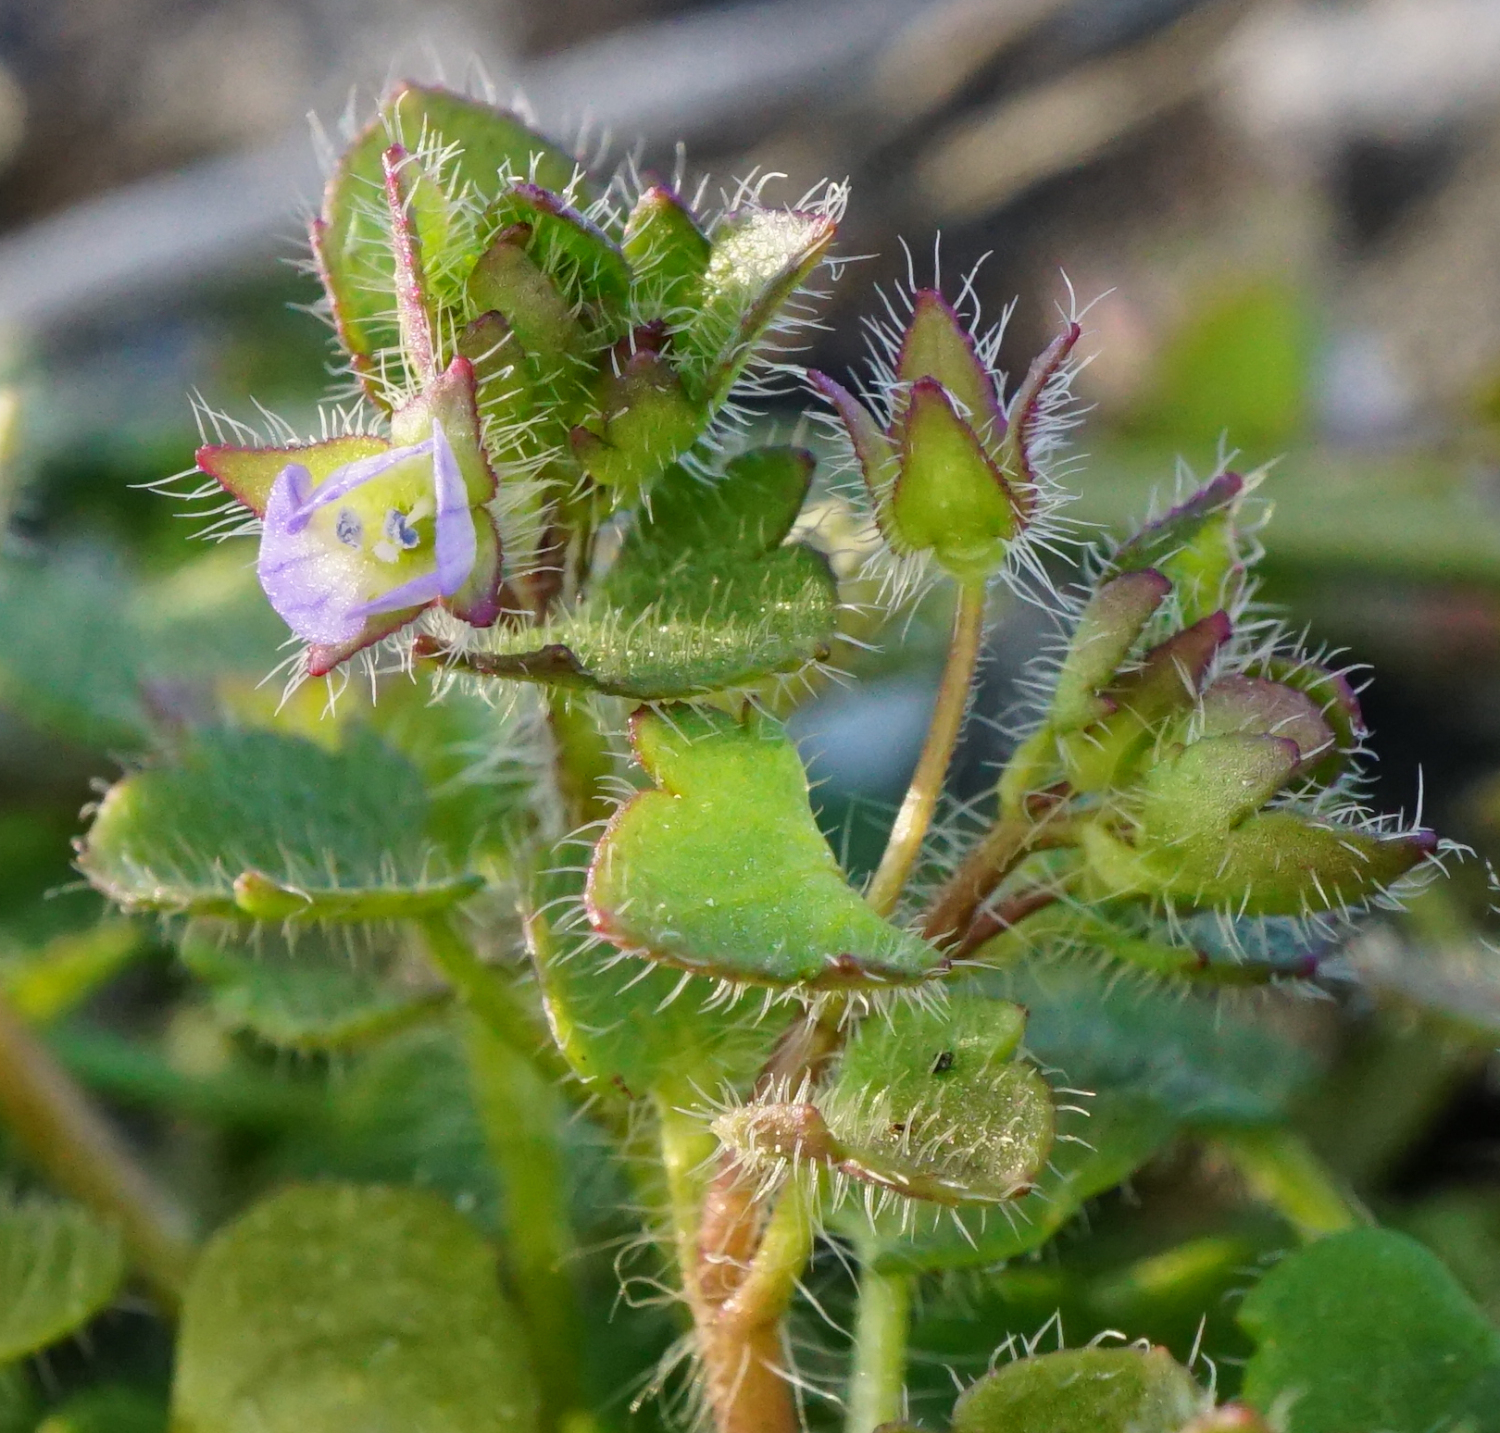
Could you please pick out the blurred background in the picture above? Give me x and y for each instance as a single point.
(1284, 215)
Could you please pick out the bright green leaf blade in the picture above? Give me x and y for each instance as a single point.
(722, 870)
(1196, 546)
(1083, 1390)
(758, 260)
(1107, 629)
(271, 825)
(583, 262)
(331, 1308)
(934, 1098)
(352, 242)
(58, 1268)
(1368, 1330)
(704, 594)
(618, 1028)
(316, 989)
(1121, 1133)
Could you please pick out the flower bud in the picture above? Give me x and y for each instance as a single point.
(950, 471)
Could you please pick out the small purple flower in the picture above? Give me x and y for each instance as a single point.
(381, 535)
(359, 535)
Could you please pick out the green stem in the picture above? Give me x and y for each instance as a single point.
(687, 1146)
(487, 993)
(522, 1115)
(915, 816)
(877, 1380)
(786, 1244)
(1281, 1170)
(69, 1141)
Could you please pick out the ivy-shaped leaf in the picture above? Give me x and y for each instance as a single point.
(705, 594)
(334, 1307)
(314, 989)
(721, 869)
(928, 1104)
(258, 824)
(58, 1268)
(1083, 1390)
(1368, 1330)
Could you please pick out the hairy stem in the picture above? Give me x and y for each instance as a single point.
(69, 1141)
(926, 786)
(748, 1268)
(1009, 841)
(877, 1380)
(1281, 1170)
(522, 1115)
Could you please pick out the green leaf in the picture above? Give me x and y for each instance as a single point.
(71, 662)
(584, 264)
(934, 1099)
(1368, 1330)
(722, 870)
(1083, 1390)
(617, 1027)
(759, 258)
(313, 989)
(927, 1104)
(58, 1268)
(1107, 629)
(507, 281)
(275, 827)
(645, 419)
(949, 498)
(667, 253)
(331, 1308)
(1121, 1133)
(351, 241)
(1196, 547)
(705, 594)
(1187, 1052)
(1275, 863)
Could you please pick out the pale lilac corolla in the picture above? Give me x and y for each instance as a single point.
(383, 534)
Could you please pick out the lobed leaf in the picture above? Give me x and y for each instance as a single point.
(705, 594)
(271, 826)
(59, 1266)
(721, 869)
(333, 1307)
